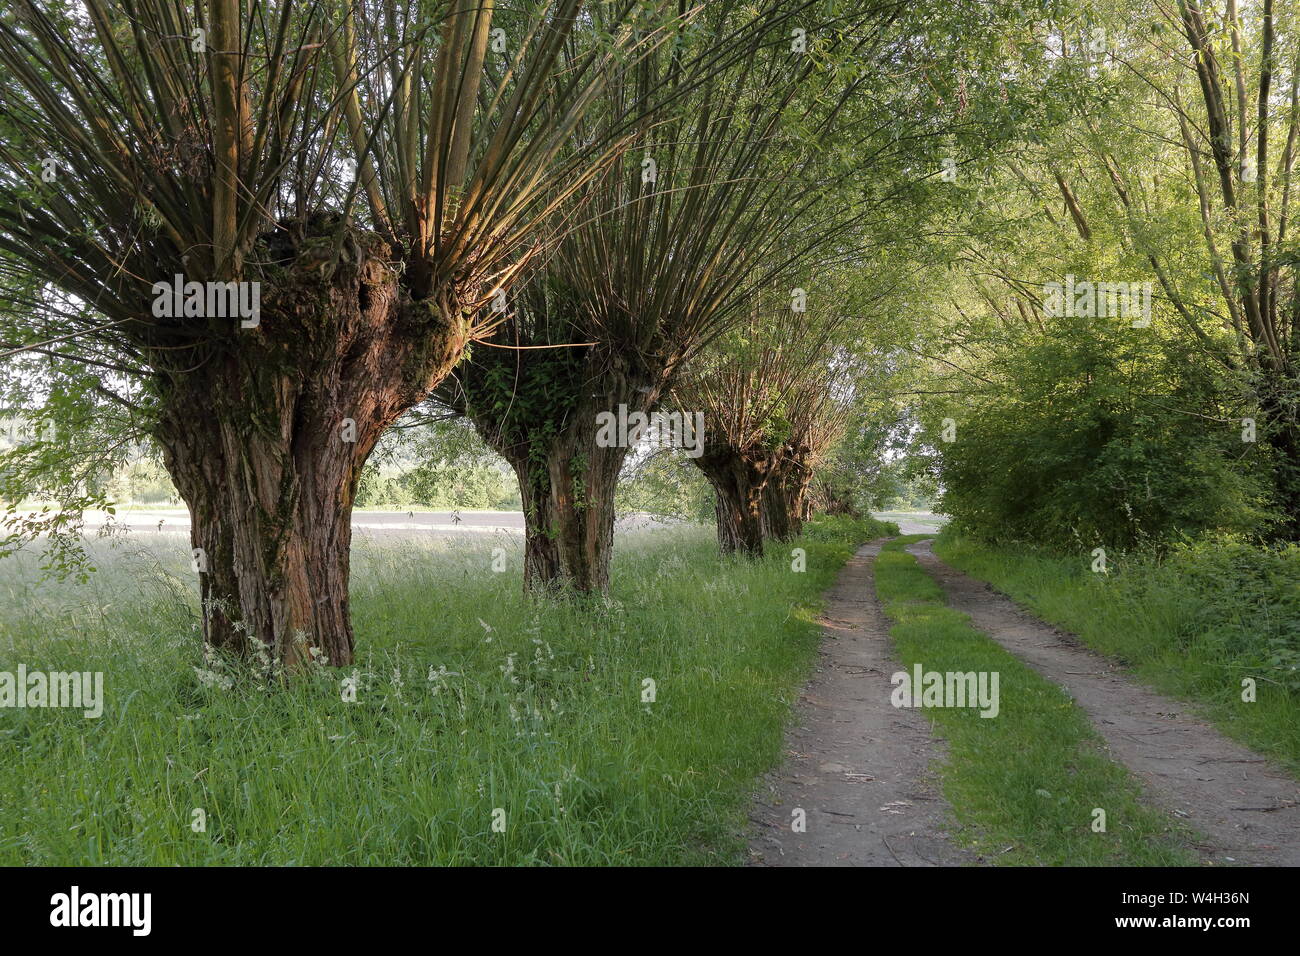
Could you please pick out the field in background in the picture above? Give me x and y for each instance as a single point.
(913, 522)
(148, 519)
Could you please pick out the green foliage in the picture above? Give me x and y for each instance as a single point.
(521, 394)
(845, 528)
(438, 485)
(59, 466)
(667, 486)
(436, 463)
(1095, 436)
(521, 399)
(898, 489)
(1073, 431)
(142, 482)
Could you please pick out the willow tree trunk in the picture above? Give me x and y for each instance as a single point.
(567, 486)
(775, 512)
(265, 440)
(547, 423)
(738, 481)
(784, 501)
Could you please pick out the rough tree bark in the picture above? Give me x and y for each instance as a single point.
(546, 425)
(774, 512)
(785, 497)
(567, 487)
(265, 439)
(738, 480)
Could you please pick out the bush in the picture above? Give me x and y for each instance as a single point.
(1097, 438)
(1240, 604)
(845, 528)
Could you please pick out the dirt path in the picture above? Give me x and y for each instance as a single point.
(857, 766)
(1249, 810)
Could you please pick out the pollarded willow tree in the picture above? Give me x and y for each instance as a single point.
(774, 395)
(819, 411)
(283, 217)
(753, 172)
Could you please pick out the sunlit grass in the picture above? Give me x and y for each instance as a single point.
(1025, 783)
(471, 699)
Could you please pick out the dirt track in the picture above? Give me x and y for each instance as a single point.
(857, 766)
(1249, 810)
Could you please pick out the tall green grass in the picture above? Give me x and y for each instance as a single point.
(1193, 624)
(1024, 783)
(471, 698)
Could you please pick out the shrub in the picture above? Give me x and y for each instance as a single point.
(1092, 438)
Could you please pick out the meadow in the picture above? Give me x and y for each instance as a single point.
(487, 727)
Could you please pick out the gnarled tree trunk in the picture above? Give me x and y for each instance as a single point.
(548, 426)
(738, 481)
(567, 487)
(785, 497)
(265, 440)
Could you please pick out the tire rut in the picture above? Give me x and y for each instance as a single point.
(856, 765)
(1247, 808)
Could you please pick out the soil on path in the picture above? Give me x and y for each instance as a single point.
(1247, 808)
(857, 766)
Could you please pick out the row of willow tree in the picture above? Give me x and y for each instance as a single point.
(528, 212)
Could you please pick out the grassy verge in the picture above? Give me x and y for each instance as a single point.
(1024, 784)
(470, 699)
(1194, 625)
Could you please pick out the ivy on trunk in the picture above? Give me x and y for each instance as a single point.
(540, 410)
